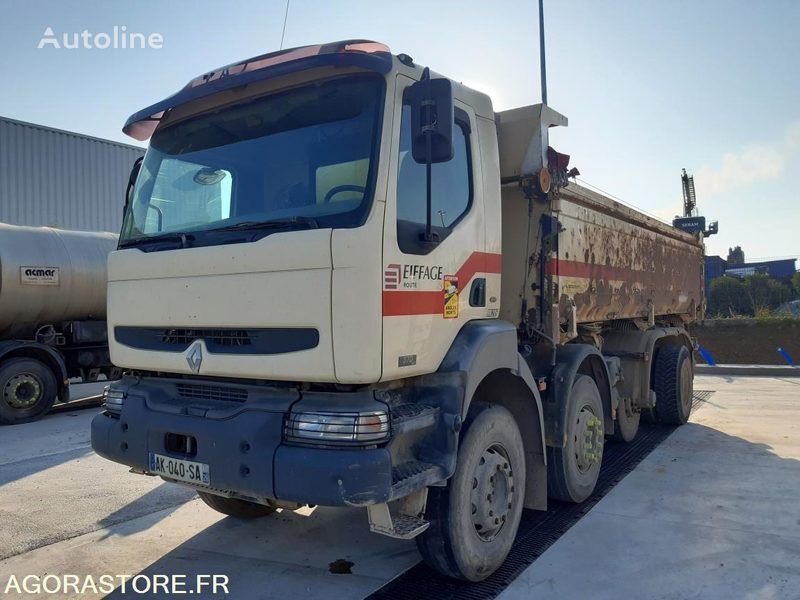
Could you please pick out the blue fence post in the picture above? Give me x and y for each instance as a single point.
(786, 357)
(706, 356)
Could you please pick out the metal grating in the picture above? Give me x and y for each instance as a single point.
(410, 469)
(699, 397)
(408, 410)
(537, 529)
(220, 337)
(211, 392)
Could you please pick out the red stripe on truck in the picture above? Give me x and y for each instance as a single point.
(406, 302)
(582, 270)
(415, 302)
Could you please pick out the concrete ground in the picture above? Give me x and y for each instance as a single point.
(712, 512)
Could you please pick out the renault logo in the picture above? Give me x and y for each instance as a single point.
(195, 357)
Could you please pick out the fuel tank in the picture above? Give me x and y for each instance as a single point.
(50, 275)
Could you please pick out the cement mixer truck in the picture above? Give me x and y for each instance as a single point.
(52, 316)
(344, 280)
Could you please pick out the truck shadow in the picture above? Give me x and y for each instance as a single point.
(14, 471)
(163, 500)
(729, 482)
(28, 448)
(286, 555)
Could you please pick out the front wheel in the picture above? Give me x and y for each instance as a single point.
(28, 389)
(474, 520)
(236, 508)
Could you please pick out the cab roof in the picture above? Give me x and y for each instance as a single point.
(366, 54)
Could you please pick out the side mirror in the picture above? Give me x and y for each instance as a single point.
(137, 166)
(431, 103)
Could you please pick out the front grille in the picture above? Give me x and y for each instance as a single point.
(211, 392)
(219, 337)
(219, 340)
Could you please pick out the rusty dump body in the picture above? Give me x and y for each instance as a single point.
(597, 260)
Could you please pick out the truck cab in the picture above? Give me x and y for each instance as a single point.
(306, 300)
(300, 193)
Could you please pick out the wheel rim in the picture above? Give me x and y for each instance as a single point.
(22, 391)
(588, 439)
(686, 387)
(492, 494)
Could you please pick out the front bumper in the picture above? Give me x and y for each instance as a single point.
(243, 441)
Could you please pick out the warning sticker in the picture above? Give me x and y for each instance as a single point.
(450, 297)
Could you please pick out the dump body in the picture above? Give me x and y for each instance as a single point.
(616, 263)
(611, 261)
(593, 258)
(51, 275)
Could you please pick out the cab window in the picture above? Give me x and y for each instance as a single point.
(451, 188)
(186, 193)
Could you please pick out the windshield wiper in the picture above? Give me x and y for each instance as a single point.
(271, 224)
(183, 238)
(186, 238)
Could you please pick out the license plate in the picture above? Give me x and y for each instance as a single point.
(181, 470)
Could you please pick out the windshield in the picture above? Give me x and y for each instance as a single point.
(298, 158)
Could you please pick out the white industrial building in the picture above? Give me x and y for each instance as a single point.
(62, 179)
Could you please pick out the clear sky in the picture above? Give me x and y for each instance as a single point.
(649, 87)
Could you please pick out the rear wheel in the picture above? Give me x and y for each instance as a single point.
(572, 471)
(235, 507)
(474, 520)
(628, 417)
(674, 383)
(28, 389)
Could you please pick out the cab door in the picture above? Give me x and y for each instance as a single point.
(431, 289)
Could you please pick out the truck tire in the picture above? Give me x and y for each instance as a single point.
(234, 507)
(28, 389)
(674, 383)
(474, 520)
(572, 471)
(627, 424)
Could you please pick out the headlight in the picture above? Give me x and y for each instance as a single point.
(335, 428)
(113, 399)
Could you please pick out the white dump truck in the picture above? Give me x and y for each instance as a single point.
(52, 316)
(345, 280)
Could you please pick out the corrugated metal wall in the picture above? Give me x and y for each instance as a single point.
(61, 179)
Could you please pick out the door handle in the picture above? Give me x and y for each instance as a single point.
(477, 293)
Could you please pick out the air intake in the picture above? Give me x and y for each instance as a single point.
(211, 392)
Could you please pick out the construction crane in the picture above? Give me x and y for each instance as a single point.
(691, 220)
(689, 196)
